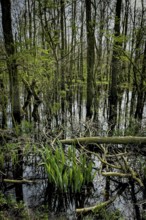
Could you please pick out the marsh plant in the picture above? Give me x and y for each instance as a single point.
(67, 168)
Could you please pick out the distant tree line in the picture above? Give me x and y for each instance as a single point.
(50, 46)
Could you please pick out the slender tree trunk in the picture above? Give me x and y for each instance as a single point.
(81, 76)
(73, 41)
(14, 86)
(3, 103)
(100, 38)
(25, 24)
(34, 26)
(141, 87)
(134, 200)
(62, 68)
(11, 61)
(18, 175)
(138, 76)
(29, 22)
(141, 91)
(62, 44)
(90, 58)
(115, 68)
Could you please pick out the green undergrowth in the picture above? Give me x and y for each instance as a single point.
(12, 210)
(105, 215)
(67, 168)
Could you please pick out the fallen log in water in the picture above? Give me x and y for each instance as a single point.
(106, 140)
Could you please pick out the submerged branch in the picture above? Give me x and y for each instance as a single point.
(101, 205)
(97, 207)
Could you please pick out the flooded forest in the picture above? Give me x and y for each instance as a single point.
(73, 109)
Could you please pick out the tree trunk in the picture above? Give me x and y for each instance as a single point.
(62, 68)
(14, 86)
(3, 104)
(141, 91)
(81, 71)
(115, 68)
(90, 58)
(11, 61)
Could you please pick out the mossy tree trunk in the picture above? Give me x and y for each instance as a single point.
(106, 140)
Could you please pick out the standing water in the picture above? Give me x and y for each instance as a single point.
(42, 192)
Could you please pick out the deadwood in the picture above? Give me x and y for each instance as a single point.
(106, 140)
(23, 181)
(96, 208)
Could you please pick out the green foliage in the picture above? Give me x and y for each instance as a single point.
(103, 82)
(67, 169)
(107, 215)
(55, 107)
(79, 81)
(9, 152)
(63, 93)
(119, 39)
(133, 128)
(26, 127)
(144, 170)
(10, 209)
(124, 58)
(142, 166)
(2, 159)
(37, 63)
(2, 200)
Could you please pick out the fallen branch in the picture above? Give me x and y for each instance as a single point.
(97, 207)
(23, 181)
(106, 140)
(102, 160)
(102, 205)
(125, 175)
(133, 173)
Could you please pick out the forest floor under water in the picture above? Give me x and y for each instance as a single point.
(41, 178)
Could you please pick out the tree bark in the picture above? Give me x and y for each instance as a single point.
(141, 91)
(90, 58)
(3, 104)
(62, 67)
(11, 61)
(115, 68)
